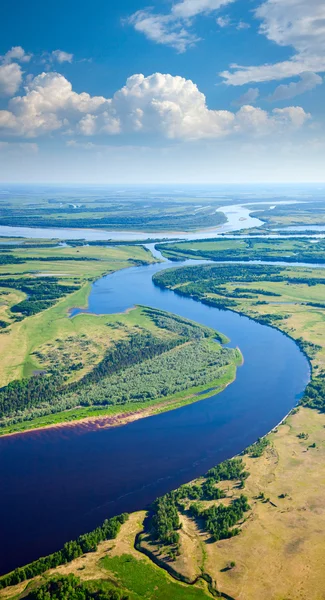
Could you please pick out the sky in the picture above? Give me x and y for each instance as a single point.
(162, 91)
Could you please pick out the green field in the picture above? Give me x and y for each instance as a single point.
(286, 215)
(39, 287)
(282, 530)
(20, 339)
(221, 249)
(143, 212)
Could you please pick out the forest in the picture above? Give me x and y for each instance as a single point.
(314, 395)
(70, 587)
(220, 520)
(41, 293)
(163, 521)
(142, 367)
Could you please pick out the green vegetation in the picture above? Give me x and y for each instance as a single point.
(220, 249)
(163, 522)
(300, 214)
(71, 588)
(314, 396)
(144, 581)
(176, 356)
(105, 212)
(219, 520)
(256, 450)
(87, 542)
(41, 293)
(298, 307)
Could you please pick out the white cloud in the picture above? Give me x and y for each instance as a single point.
(308, 81)
(223, 21)
(17, 53)
(11, 74)
(295, 23)
(192, 8)
(163, 105)
(49, 104)
(60, 56)
(163, 29)
(173, 28)
(10, 79)
(249, 97)
(242, 25)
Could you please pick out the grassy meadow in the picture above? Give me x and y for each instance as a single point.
(21, 339)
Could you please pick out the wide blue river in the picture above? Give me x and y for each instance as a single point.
(58, 483)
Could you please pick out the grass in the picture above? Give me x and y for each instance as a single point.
(280, 551)
(290, 249)
(117, 564)
(19, 342)
(144, 581)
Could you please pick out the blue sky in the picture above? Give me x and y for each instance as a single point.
(161, 91)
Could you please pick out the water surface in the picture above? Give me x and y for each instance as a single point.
(58, 483)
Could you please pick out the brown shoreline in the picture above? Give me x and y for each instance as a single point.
(105, 422)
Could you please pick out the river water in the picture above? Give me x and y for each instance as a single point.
(238, 217)
(58, 483)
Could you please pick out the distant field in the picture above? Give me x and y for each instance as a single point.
(104, 212)
(306, 213)
(288, 250)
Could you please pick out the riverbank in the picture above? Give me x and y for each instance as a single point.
(115, 416)
(151, 456)
(282, 533)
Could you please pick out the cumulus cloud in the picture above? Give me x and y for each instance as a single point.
(11, 74)
(60, 56)
(173, 28)
(249, 97)
(295, 23)
(17, 53)
(164, 105)
(50, 104)
(308, 81)
(11, 77)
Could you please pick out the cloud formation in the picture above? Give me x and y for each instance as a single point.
(60, 56)
(248, 97)
(174, 28)
(160, 104)
(16, 53)
(10, 79)
(308, 81)
(295, 23)
(11, 74)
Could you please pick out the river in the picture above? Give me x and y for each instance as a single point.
(60, 482)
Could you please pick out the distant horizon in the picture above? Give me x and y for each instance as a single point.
(159, 183)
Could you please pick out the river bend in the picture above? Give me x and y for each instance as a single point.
(60, 482)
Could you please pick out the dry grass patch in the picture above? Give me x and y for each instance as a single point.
(280, 551)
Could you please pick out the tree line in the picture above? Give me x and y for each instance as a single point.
(220, 520)
(87, 542)
(41, 292)
(69, 587)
